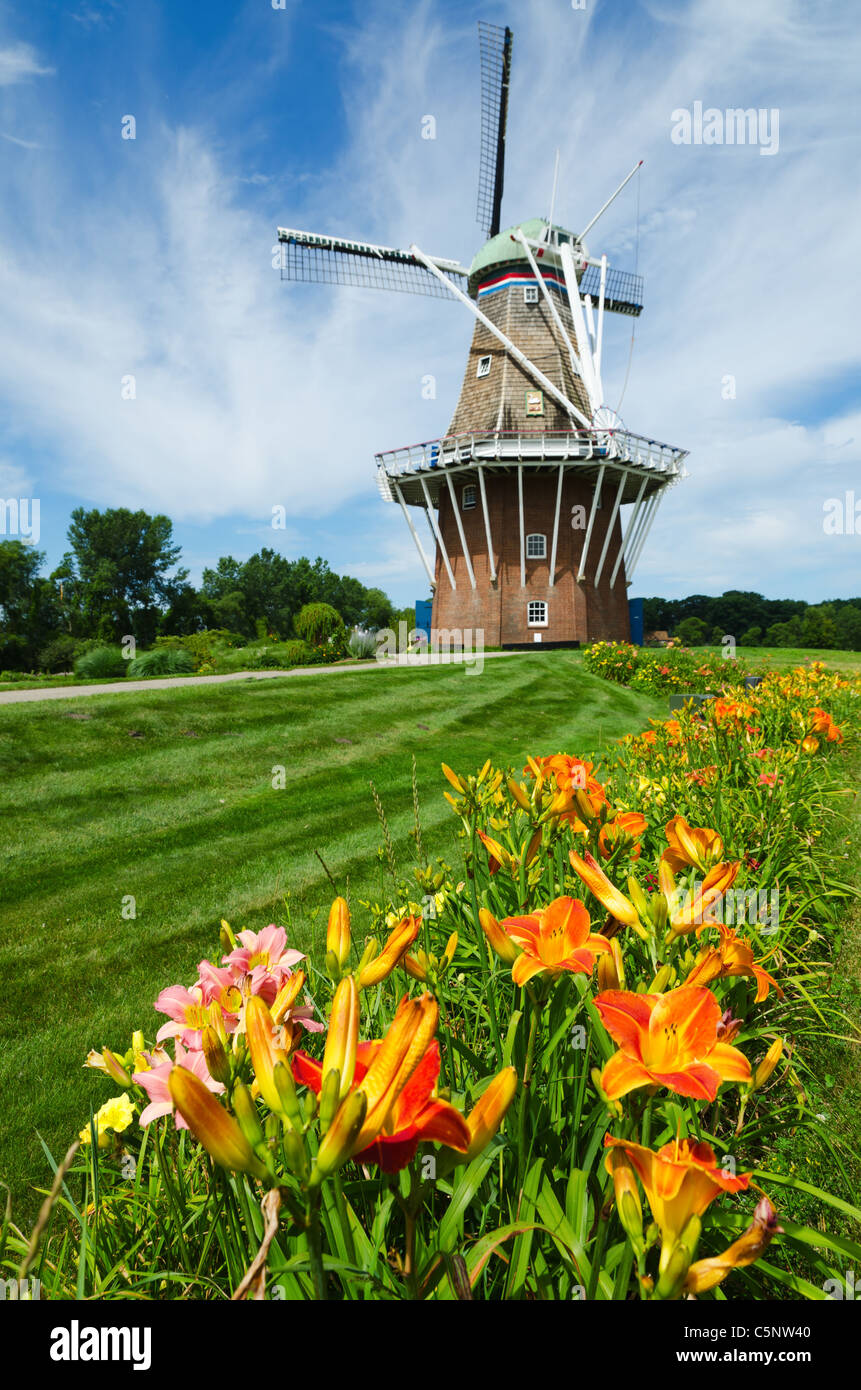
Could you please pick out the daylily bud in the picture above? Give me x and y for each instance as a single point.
(458, 784)
(227, 937)
(329, 1097)
(499, 939)
(767, 1065)
(520, 795)
(399, 939)
(487, 1114)
(214, 1055)
(584, 805)
(638, 898)
(534, 846)
(295, 1152)
(342, 1039)
(211, 1124)
(138, 1043)
(246, 1113)
(661, 980)
(370, 953)
(753, 1242)
(264, 1052)
(484, 771)
(338, 938)
(287, 996)
(450, 948)
(286, 1087)
(337, 1143)
(628, 1202)
(416, 966)
(115, 1069)
(611, 972)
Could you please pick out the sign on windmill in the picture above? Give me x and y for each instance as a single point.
(527, 445)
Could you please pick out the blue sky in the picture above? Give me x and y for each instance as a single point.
(152, 257)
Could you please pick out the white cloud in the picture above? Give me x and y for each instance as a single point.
(250, 392)
(19, 62)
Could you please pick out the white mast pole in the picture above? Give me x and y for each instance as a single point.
(611, 199)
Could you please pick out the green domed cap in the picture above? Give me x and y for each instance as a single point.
(503, 250)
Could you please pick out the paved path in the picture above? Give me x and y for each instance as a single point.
(74, 692)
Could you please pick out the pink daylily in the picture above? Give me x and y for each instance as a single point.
(154, 1082)
(262, 963)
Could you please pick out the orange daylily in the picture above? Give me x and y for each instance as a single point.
(731, 956)
(624, 831)
(398, 942)
(698, 848)
(606, 892)
(824, 724)
(556, 938)
(667, 1040)
(680, 1181)
(579, 792)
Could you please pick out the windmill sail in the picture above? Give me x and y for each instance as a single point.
(623, 292)
(495, 48)
(319, 259)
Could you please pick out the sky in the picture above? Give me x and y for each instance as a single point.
(151, 258)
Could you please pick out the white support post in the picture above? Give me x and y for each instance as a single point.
(438, 533)
(596, 496)
(610, 524)
(635, 559)
(570, 273)
(460, 530)
(415, 535)
(556, 525)
(520, 357)
(487, 525)
(575, 361)
(632, 536)
(522, 531)
(622, 543)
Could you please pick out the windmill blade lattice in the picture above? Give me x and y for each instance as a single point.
(316, 259)
(623, 292)
(495, 48)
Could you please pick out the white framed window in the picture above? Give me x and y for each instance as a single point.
(484, 366)
(468, 496)
(536, 547)
(536, 613)
(530, 294)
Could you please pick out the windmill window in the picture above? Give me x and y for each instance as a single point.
(484, 366)
(530, 294)
(468, 497)
(536, 613)
(536, 547)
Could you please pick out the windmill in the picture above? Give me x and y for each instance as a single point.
(524, 494)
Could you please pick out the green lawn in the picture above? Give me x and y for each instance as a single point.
(771, 658)
(167, 796)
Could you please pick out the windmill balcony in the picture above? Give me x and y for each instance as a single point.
(408, 466)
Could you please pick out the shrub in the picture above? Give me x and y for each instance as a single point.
(101, 663)
(205, 647)
(161, 661)
(751, 638)
(322, 626)
(60, 653)
(362, 645)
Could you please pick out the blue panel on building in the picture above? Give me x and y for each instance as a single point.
(424, 608)
(635, 614)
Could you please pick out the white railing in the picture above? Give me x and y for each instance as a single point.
(532, 446)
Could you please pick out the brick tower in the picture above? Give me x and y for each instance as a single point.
(524, 494)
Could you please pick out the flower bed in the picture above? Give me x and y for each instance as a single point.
(674, 669)
(557, 1073)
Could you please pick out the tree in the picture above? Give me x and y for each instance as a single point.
(751, 638)
(119, 563)
(29, 611)
(847, 627)
(692, 631)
